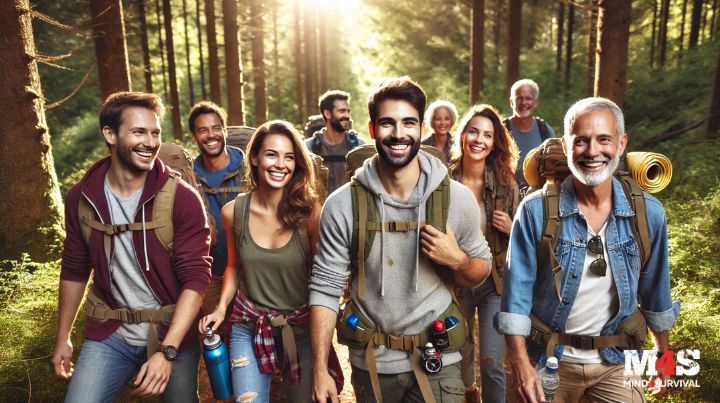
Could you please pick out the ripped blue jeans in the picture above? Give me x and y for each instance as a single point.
(251, 385)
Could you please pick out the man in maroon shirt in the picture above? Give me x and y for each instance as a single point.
(145, 290)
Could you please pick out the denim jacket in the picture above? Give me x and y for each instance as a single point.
(651, 290)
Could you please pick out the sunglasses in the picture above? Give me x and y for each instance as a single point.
(599, 266)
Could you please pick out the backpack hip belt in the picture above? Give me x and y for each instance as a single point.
(363, 338)
(97, 309)
(631, 334)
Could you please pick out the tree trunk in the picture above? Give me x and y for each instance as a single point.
(203, 90)
(162, 49)
(695, 22)
(191, 91)
(172, 77)
(310, 37)
(213, 60)
(653, 37)
(592, 42)
(569, 46)
(276, 95)
(299, 64)
(682, 30)
(323, 56)
(664, 19)
(713, 23)
(31, 221)
(713, 123)
(258, 60)
(477, 44)
(560, 36)
(110, 50)
(611, 63)
(145, 46)
(233, 64)
(513, 42)
(496, 32)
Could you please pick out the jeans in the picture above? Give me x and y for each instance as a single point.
(252, 385)
(492, 344)
(104, 368)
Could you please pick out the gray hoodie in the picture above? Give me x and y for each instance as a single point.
(403, 295)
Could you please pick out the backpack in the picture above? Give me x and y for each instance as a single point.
(314, 143)
(364, 218)
(180, 164)
(541, 124)
(546, 166)
(357, 156)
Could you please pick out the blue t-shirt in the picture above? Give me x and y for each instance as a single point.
(215, 202)
(526, 141)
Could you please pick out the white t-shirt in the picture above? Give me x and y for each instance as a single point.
(596, 302)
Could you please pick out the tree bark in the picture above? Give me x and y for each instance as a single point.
(682, 30)
(496, 31)
(162, 49)
(695, 23)
(191, 90)
(32, 215)
(664, 19)
(611, 63)
(233, 64)
(172, 76)
(145, 46)
(310, 39)
(323, 54)
(203, 90)
(569, 46)
(560, 37)
(713, 23)
(213, 60)
(513, 42)
(713, 123)
(653, 37)
(110, 49)
(258, 60)
(299, 64)
(276, 95)
(477, 56)
(592, 46)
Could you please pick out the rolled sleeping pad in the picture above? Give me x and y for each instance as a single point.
(651, 171)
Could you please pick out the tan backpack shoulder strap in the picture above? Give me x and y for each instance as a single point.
(163, 211)
(86, 215)
(641, 232)
(363, 208)
(551, 231)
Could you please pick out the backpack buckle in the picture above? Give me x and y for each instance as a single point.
(582, 342)
(131, 317)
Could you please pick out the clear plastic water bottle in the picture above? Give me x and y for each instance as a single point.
(549, 378)
(217, 363)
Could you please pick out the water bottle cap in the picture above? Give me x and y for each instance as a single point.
(352, 321)
(451, 322)
(438, 326)
(212, 340)
(552, 363)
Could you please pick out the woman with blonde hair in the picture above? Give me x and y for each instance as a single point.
(484, 161)
(271, 231)
(441, 116)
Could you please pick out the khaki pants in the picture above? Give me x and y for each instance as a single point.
(596, 382)
(447, 386)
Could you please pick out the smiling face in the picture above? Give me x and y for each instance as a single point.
(524, 101)
(594, 147)
(210, 134)
(275, 161)
(441, 122)
(397, 132)
(478, 139)
(137, 141)
(340, 119)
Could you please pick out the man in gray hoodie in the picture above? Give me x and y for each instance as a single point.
(403, 292)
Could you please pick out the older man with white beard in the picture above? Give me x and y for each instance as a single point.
(601, 280)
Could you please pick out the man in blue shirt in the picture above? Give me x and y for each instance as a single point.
(528, 130)
(219, 170)
(601, 278)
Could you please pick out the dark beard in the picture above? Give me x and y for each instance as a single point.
(396, 162)
(337, 125)
(204, 152)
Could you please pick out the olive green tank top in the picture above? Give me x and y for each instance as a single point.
(275, 279)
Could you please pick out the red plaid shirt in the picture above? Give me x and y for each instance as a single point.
(246, 311)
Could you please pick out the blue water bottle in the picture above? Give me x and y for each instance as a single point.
(217, 363)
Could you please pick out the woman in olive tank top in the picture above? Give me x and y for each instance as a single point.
(271, 235)
(484, 161)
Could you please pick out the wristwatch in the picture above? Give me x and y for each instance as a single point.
(169, 352)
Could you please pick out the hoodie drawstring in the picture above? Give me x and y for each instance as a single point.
(144, 231)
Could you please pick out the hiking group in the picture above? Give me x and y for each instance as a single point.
(393, 245)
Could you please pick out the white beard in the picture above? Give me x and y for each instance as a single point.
(593, 178)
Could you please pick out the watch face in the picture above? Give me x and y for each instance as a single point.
(433, 365)
(170, 352)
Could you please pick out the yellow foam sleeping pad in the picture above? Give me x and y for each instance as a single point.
(652, 171)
